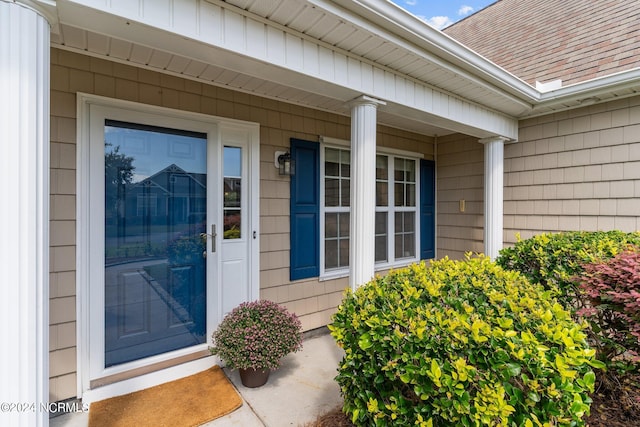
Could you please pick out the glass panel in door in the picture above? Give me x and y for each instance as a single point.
(155, 214)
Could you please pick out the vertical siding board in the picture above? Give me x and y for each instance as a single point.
(327, 70)
(185, 17)
(354, 73)
(341, 68)
(210, 20)
(310, 57)
(256, 37)
(367, 78)
(379, 86)
(157, 11)
(276, 45)
(294, 52)
(234, 31)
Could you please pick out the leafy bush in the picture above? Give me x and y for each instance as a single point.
(554, 259)
(257, 335)
(461, 343)
(612, 288)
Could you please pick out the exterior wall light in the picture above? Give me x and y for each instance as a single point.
(286, 166)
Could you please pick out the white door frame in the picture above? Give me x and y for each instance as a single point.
(90, 235)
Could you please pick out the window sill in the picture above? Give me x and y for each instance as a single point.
(339, 274)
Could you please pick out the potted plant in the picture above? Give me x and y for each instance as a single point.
(253, 338)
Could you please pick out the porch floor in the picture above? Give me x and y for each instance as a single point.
(300, 390)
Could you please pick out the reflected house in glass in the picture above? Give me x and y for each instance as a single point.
(170, 195)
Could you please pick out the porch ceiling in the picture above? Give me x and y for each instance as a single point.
(112, 49)
(348, 29)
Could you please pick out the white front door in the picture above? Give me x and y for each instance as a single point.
(170, 200)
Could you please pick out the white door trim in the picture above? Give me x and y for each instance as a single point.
(90, 240)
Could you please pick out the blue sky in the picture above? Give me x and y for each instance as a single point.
(442, 13)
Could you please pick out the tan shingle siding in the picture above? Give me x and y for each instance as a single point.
(592, 185)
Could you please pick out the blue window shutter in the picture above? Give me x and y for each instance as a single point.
(305, 210)
(427, 209)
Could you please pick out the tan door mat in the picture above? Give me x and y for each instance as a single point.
(189, 401)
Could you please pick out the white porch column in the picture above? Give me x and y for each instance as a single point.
(493, 194)
(24, 214)
(363, 190)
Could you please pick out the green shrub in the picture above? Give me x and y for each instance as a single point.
(460, 343)
(554, 259)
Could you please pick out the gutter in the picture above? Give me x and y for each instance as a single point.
(590, 91)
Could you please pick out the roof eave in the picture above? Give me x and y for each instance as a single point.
(411, 28)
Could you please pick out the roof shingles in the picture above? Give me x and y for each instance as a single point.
(545, 40)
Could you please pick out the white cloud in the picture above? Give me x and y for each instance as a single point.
(439, 22)
(411, 2)
(465, 10)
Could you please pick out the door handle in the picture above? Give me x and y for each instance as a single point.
(213, 235)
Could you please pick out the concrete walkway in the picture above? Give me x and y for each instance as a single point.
(300, 390)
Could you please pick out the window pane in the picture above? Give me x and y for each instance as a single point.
(346, 192)
(345, 156)
(331, 254)
(381, 237)
(232, 224)
(381, 248)
(344, 224)
(344, 252)
(410, 168)
(345, 170)
(409, 246)
(408, 222)
(331, 225)
(399, 194)
(382, 194)
(382, 168)
(332, 155)
(331, 192)
(410, 197)
(232, 192)
(381, 223)
(398, 245)
(331, 169)
(399, 169)
(233, 161)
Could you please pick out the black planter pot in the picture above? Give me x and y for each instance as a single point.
(253, 378)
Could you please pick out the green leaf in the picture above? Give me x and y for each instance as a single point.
(596, 364)
(589, 380)
(365, 342)
(435, 369)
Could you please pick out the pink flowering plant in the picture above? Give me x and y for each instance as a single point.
(257, 335)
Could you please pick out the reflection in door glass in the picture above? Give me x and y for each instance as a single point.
(155, 212)
(232, 192)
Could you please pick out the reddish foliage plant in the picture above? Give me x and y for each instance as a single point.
(612, 306)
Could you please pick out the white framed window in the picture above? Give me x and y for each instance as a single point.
(396, 215)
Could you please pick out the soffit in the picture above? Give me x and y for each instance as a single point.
(368, 38)
(351, 36)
